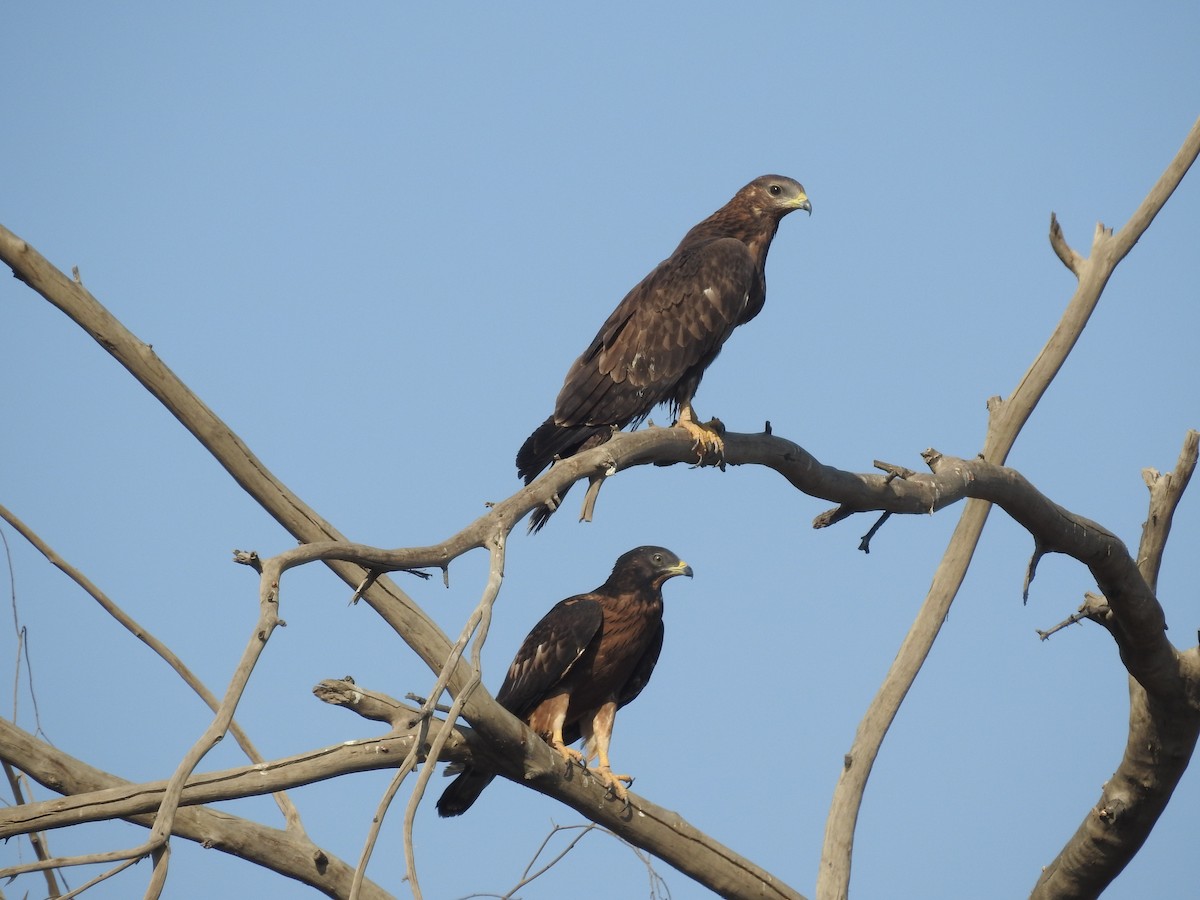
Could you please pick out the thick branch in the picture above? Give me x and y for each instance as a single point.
(214, 435)
(505, 736)
(1141, 638)
(662, 832)
(115, 798)
(101, 796)
(1006, 420)
(1143, 643)
(1164, 727)
(684, 848)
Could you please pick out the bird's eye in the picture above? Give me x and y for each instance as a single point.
(658, 557)
(775, 189)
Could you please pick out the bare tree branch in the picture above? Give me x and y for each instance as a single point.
(1165, 493)
(1006, 420)
(290, 813)
(103, 876)
(268, 619)
(100, 795)
(951, 481)
(1094, 607)
(1164, 725)
(507, 745)
(95, 796)
(529, 876)
(36, 839)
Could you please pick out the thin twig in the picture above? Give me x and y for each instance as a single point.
(86, 859)
(656, 881)
(864, 543)
(166, 654)
(377, 823)
(36, 838)
(418, 699)
(487, 602)
(1094, 608)
(476, 626)
(103, 876)
(268, 619)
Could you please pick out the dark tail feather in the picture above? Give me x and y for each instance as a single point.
(541, 514)
(462, 792)
(549, 442)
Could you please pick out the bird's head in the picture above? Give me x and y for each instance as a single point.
(649, 565)
(777, 194)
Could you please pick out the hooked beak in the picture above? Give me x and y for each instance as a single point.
(681, 569)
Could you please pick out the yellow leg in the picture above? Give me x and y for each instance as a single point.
(598, 735)
(548, 720)
(568, 754)
(707, 437)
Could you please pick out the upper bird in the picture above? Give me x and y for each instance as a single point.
(657, 343)
(587, 657)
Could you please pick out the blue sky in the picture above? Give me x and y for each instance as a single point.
(373, 238)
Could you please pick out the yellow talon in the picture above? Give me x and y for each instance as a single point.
(706, 437)
(569, 754)
(614, 782)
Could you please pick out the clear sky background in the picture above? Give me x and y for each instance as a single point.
(372, 237)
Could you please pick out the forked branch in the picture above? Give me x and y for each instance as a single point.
(659, 831)
(1164, 719)
(1006, 419)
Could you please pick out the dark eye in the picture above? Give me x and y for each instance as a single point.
(658, 557)
(775, 190)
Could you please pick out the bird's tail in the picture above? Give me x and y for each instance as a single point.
(462, 792)
(551, 441)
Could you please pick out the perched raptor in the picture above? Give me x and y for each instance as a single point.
(657, 343)
(587, 657)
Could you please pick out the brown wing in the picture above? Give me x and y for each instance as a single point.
(545, 657)
(655, 346)
(640, 676)
(660, 338)
(548, 653)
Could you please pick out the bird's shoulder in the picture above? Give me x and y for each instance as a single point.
(550, 649)
(571, 620)
(700, 256)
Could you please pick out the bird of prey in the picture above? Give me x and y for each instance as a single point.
(657, 343)
(589, 656)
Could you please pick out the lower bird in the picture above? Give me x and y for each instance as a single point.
(589, 656)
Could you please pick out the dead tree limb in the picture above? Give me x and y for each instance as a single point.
(659, 831)
(1164, 718)
(513, 753)
(290, 813)
(1007, 418)
(94, 795)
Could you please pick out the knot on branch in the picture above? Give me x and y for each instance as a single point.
(248, 558)
(1109, 812)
